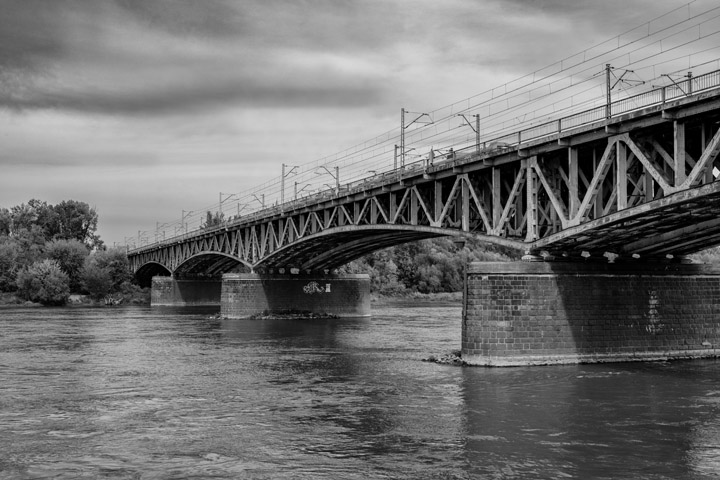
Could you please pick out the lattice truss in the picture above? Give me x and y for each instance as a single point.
(508, 198)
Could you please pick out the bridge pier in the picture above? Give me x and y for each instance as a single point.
(169, 291)
(538, 313)
(248, 294)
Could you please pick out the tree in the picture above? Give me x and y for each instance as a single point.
(22, 217)
(96, 280)
(9, 254)
(114, 263)
(213, 220)
(70, 255)
(5, 221)
(44, 282)
(76, 220)
(31, 245)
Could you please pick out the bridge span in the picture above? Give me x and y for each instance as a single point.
(639, 186)
(640, 183)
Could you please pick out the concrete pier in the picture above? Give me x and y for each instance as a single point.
(245, 294)
(522, 313)
(168, 291)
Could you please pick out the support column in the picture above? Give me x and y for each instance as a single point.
(247, 295)
(523, 313)
(621, 176)
(168, 291)
(679, 156)
(573, 183)
(531, 199)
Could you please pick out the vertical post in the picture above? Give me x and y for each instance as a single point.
(679, 130)
(608, 101)
(337, 180)
(621, 175)
(295, 192)
(477, 132)
(600, 195)
(705, 135)
(465, 209)
(393, 206)
(497, 205)
(438, 201)
(395, 158)
(689, 81)
(649, 187)
(282, 185)
(413, 208)
(402, 137)
(573, 178)
(531, 199)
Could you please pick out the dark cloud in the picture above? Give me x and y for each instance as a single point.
(196, 98)
(132, 56)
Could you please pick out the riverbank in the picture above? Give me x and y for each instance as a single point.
(139, 297)
(142, 297)
(449, 297)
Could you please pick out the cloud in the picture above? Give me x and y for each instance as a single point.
(132, 57)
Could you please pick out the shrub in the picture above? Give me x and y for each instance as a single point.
(106, 272)
(96, 280)
(44, 282)
(70, 255)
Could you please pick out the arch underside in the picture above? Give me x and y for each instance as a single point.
(336, 247)
(326, 250)
(145, 273)
(210, 264)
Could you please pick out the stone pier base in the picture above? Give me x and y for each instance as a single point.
(167, 291)
(246, 294)
(522, 313)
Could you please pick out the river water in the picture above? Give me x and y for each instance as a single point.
(162, 393)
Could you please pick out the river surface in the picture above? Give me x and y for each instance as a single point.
(162, 393)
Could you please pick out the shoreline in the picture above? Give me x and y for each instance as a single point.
(8, 299)
(379, 298)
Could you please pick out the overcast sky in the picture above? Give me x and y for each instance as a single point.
(143, 108)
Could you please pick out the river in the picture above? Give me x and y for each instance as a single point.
(163, 393)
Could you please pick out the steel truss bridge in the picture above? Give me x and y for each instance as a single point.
(634, 181)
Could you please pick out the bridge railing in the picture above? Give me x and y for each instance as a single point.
(656, 96)
(490, 145)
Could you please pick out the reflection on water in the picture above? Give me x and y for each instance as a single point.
(168, 393)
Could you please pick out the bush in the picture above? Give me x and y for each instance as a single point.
(106, 272)
(96, 280)
(70, 255)
(44, 282)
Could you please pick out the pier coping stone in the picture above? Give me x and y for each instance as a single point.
(590, 268)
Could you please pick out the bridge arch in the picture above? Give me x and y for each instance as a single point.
(210, 263)
(145, 273)
(334, 247)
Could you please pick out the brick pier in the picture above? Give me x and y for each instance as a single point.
(168, 291)
(537, 313)
(246, 294)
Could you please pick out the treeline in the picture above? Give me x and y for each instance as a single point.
(427, 266)
(437, 265)
(49, 251)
